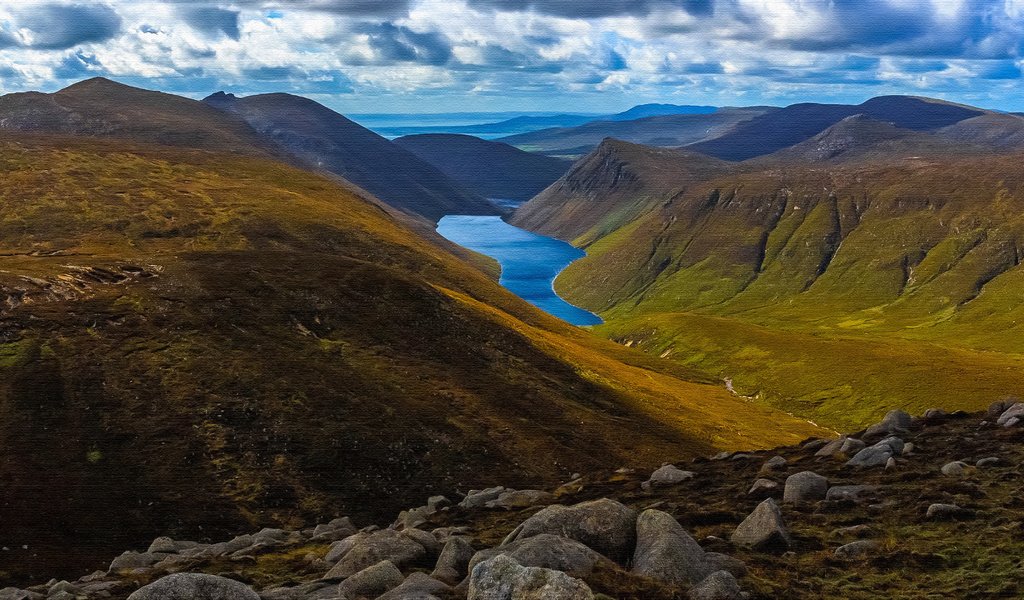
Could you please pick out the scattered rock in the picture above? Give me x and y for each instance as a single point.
(549, 552)
(723, 562)
(940, 512)
(666, 552)
(453, 564)
(667, 475)
(806, 486)
(11, 593)
(194, 586)
(1013, 413)
(480, 498)
(890, 464)
(763, 488)
(934, 413)
(845, 446)
(371, 581)
(954, 469)
(774, 463)
(763, 529)
(878, 454)
(135, 560)
(895, 421)
(520, 499)
(991, 461)
(859, 550)
(337, 529)
(853, 531)
(502, 578)
(417, 586)
(851, 493)
(604, 525)
(815, 445)
(370, 549)
(720, 585)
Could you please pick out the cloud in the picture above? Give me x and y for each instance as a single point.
(586, 9)
(212, 21)
(389, 44)
(59, 26)
(355, 8)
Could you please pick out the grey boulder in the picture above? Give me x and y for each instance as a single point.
(667, 475)
(453, 563)
(604, 525)
(417, 586)
(720, 585)
(502, 578)
(763, 529)
(763, 488)
(666, 552)
(194, 586)
(894, 421)
(549, 552)
(371, 581)
(806, 486)
(859, 550)
(385, 544)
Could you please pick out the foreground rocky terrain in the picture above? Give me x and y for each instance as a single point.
(921, 507)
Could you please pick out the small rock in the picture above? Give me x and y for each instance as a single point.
(194, 586)
(859, 550)
(667, 475)
(371, 581)
(991, 461)
(720, 585)
(417, 586)
(163, 544)
(763, 488)
(723, 562)
(453, 564)
(939, 512)
(436, 503)
(851, 493)
(135, 560)
(666, 552)
(763, 529)
(845, 446)
(853, 531)
(805, 486)
(890, 464)
(502, 578)
(774, 463)
(954, 469)
(479, 498)
(815, 445)
(934, 413)
(520, 499)
(1015, 411)
(895, 421)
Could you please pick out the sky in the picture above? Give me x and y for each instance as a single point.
(426, 56)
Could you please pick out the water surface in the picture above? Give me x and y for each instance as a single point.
(529, 262)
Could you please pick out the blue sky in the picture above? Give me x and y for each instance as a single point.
(364, 56)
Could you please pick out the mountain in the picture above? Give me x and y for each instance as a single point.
(643, 111)
(829, 281)
(323, 139)
(668, 131)
(782, 128)
(490, 169)
(992, 130)
(102, 108)
(615, 184)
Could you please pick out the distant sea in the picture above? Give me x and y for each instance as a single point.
(392, 126)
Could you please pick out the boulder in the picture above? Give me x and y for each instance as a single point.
(948, 512)
(480, 498)
(502, 578)
(453, 564)
(851, 493)
(549, 552)
(846, 446)
(895, 421)
(12, 593)
(372, 548)
(956, 468)
(336, 529)
(763, 529)
(806, 486)
(934, 413)
(723, 562)
(720, 585)
(604, 525)
(135, 560)
(667, 475)
(991, 461)
(520, 499)
(774, 463)
(853, 531)
(163, 544)
(763, 488)
(436, 503)
(666, 552)
(272, 537)
(1015, 411)
(859, 550)
(371, 581)
(999, 407)
(194, 586)
(417, 586)
(877, 454)
(425, 539)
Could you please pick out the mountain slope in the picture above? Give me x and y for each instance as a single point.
(490, 169)
(195, 342)
(324, 139)
(667, 131)
(791, 125)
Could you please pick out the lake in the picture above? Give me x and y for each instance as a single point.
(529, 262)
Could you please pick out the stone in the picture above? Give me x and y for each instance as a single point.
(763, 529)
(425, 539)
(502, 578)
(998, 407)
(890, 464)
(453, 563)
(12, 593)
(815, 445)
(720, 585)
(385, 544)
(194, 586)
(549, 552)
(763, 488)
(806, 486)
(894, 421)
(604, 525)
(774, 463)
(163, 544)
(413, 517)
(520, 499)
(666, 552)
(723, 562)
(135, 560)
(437, 503)
(877, 455)
(480, 498)
(667, 475)
(851, 493)
(371, 581)
(991, 461)
(338, 549)
(1015, 411)
(853, 531)
(417, 586)
(859, 550)
(337, 529)
(954, 469)
(941, 512)
(934, 413)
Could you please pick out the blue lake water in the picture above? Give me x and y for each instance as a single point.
(529, 262)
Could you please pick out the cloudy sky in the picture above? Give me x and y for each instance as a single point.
(525, 55)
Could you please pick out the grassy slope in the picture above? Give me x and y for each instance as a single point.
(191, 339)
(834, 292)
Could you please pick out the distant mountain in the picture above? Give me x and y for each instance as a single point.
(666, 131)
(992, 130)
(102, 108)
(324, 139)
(491, 169)
(782, 128)
(657, 110)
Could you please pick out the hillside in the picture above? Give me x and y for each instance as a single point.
(213, 341)
(667, 131)
(909, 508)
(785, 127)
(831, 290)
(489, 169)
(323, 139)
